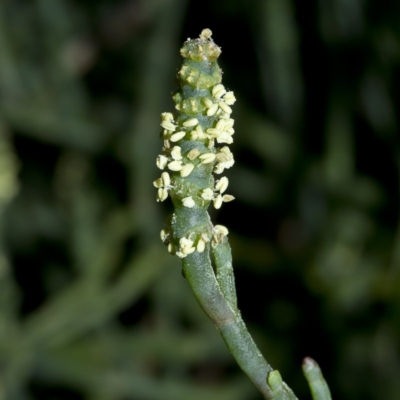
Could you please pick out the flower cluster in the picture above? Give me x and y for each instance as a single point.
(163, 184)
(191, 129)
(194, 242)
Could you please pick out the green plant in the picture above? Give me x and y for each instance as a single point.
(194, 148)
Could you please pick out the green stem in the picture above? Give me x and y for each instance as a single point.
(319, 387)
(201, 278)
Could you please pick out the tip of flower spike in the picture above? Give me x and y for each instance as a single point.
(202, 48)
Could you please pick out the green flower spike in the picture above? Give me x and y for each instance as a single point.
(195, 148)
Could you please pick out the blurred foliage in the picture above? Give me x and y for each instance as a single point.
(91, 305)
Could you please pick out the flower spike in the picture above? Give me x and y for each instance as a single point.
(195, 138)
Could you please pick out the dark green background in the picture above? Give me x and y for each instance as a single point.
(91, 305)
